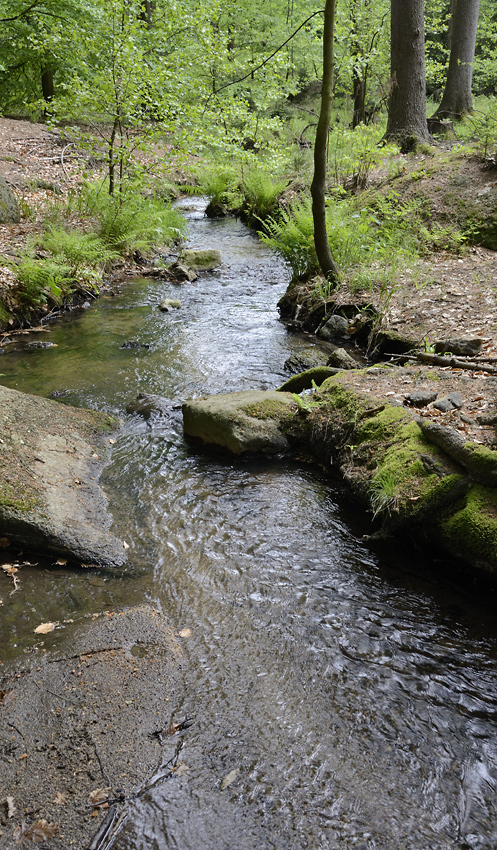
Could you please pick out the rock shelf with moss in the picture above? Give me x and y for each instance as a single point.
(409, 478)
(51, 457)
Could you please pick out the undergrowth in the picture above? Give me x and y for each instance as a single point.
(63, 262)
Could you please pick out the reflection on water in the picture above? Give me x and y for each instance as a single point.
(344, 703)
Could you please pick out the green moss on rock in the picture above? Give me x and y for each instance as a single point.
(268, 409)
(17, 496)
(471, 530)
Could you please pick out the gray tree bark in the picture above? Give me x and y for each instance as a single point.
(407, 103)
(457, 99)
(318, 185)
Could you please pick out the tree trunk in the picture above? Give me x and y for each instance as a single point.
(318, 185)
(359, 116)
(146, 12)
(457, 100)
(47, 84)
(407, 103)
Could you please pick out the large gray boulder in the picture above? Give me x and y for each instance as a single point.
(252, 421)
(9, 209)
(51, 457)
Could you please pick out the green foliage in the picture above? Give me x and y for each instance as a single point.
(80, 251)
(129, 222)
(354, 153)
(291, 236)
(39, 282)
(260, 194)
(220, 185)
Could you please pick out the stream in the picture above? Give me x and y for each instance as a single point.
(341, 697)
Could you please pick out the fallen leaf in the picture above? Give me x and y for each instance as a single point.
(11, 571)
(44, 628)
(60, 798)
(230, 778)
(185, 633)
(99, 796)
(11, 809)
(125, 545)
(112, 442)
(40, 831)
(181, 769)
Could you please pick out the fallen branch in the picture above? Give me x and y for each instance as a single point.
(453, 362)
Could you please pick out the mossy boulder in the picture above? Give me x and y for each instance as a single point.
(200, 261)
(383, 454)
(305, 380)
(469, 530)
(9, 208)
(252, 421)
(51, 457)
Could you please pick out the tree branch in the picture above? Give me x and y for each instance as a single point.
(265, 61)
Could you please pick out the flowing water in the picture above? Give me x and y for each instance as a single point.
(340, 700)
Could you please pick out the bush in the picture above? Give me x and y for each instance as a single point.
(292, 237)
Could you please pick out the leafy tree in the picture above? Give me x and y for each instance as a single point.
(361, 65)
(38, 48)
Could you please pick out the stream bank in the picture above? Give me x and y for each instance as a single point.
(408, 466)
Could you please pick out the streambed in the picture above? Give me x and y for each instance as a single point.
(339, 699)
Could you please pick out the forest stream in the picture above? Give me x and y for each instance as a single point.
(340, 697)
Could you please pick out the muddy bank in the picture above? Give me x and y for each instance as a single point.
(85, 725)
(51, 457)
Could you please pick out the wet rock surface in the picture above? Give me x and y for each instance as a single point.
(51, 457)
(85, 717)
(200, 261)
(241, 422)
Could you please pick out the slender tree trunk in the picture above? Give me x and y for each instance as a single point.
(359, 116)
(146, 13)
(457, 99)
(407, 103)
(318, 185)
(47, 84)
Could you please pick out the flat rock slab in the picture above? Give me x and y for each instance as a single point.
(241, 422)
(50, 462)
(79, 715)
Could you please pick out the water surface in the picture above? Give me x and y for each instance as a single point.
(346, 701)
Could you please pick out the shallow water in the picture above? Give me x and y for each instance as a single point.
(346, 700)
